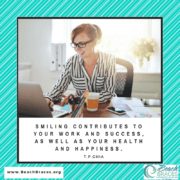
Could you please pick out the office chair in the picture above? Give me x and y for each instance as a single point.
(124, 80)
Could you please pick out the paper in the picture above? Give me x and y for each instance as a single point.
(130, 114)
(133, 103)
(124, 107)
(65, 108)
(156, 109)
(57, 107)
(142, 109)
(147, 115)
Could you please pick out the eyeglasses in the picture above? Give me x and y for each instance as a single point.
(80, 45)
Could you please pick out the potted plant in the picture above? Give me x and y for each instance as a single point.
(143, 48)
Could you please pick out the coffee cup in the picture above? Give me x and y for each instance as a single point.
(92, 101)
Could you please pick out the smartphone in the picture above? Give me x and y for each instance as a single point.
(116, 111)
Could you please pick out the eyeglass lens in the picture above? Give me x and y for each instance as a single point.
(79, 45)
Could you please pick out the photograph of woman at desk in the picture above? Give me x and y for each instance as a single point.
(88, 69)
(119, 83)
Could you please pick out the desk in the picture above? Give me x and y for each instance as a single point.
(103, 113)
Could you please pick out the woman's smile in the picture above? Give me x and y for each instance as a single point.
(81, 53)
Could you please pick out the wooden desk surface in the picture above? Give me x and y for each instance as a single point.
(102, 112)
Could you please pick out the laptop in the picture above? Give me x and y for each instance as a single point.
(32, 103)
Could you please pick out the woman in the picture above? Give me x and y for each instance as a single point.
(88, 69)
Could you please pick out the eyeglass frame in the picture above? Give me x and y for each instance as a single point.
(81, 44)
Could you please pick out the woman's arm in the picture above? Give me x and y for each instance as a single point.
(62, 84)
(109, 88)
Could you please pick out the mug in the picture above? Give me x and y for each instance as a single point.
(92, 101)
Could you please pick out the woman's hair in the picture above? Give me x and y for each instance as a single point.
(92, 31)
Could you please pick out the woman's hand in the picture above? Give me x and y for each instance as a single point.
(62, 103)
(65, 100)
(49, 102)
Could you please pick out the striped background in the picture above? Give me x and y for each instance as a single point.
(155, 8)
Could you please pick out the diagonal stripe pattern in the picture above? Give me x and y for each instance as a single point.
(12, 9)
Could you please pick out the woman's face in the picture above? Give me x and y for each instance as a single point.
(86, 51)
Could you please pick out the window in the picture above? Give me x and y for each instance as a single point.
(117, 35)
